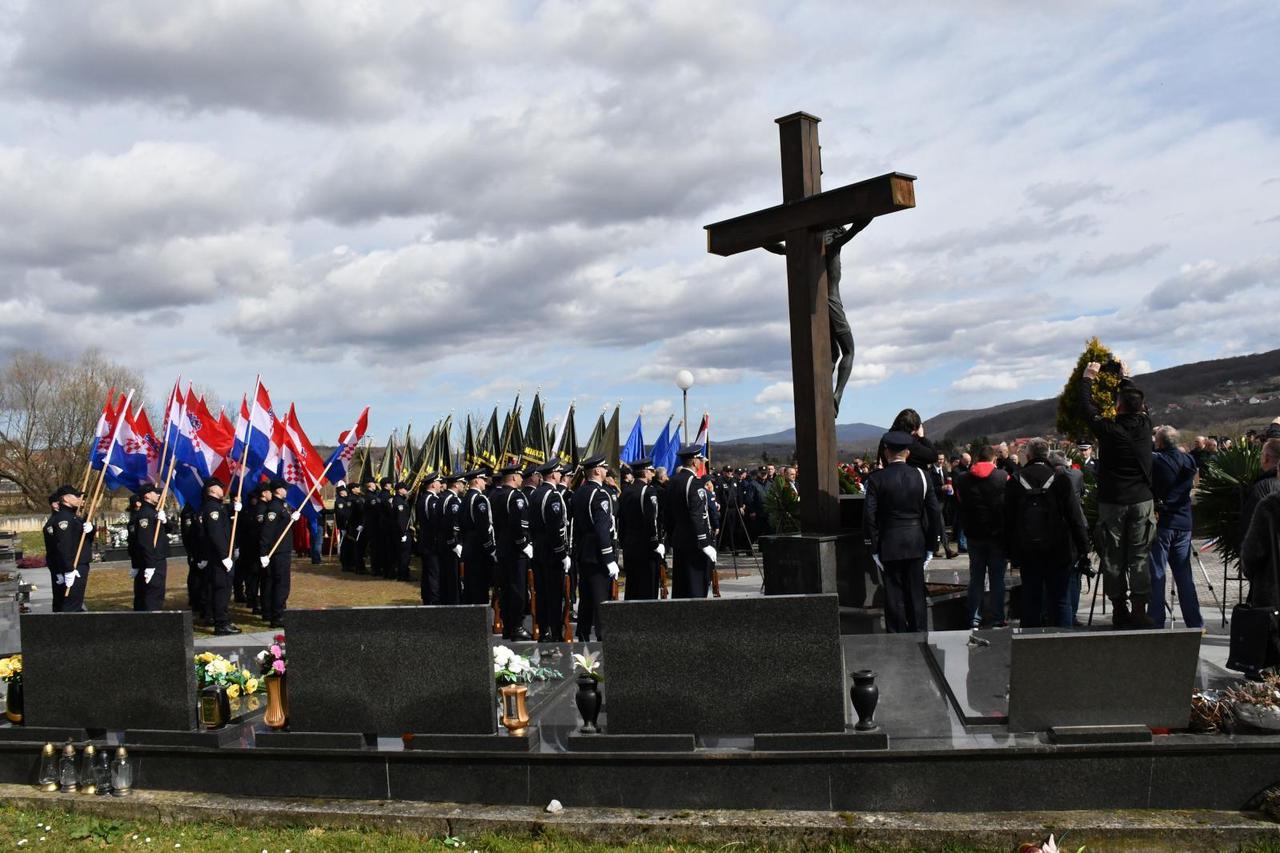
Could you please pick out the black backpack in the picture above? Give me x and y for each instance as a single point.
(1041, 518)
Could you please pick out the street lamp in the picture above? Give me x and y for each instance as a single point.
(684, 381)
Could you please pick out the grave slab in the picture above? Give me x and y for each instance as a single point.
(391, 670)
(109, 670)
(821, 741)
(630, 743)
(1100, 734)
(309, 740)
(726, 666)
(477, 743)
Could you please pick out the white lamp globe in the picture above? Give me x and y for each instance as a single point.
(684, 380)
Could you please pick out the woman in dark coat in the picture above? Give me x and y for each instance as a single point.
(1260, 560)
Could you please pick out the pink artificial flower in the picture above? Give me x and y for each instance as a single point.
(278, 666)
(276, 651)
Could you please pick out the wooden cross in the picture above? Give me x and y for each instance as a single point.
(799, 221)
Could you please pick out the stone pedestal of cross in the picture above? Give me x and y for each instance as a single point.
(799, 221)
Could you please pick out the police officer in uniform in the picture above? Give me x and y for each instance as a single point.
(425, 514)
(515, 548)
(354, 538)
(446, 522)
(63, 534)
(400, 536)
(216, 550)
(341, 517)
(149, 548)
(690, 524)
(276, 567)
(477, 539)
(549, 525)
(640, 529)
(594, 549)
(903, 524)
(374, 531)
(246, 552)
(188, 521)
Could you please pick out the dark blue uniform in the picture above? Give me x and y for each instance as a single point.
(689, 521)
(903, 523)
(594, 550)
(549, 524)
(640, 529)
(477, 547)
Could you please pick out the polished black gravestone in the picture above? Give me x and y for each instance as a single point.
(1104, 678)
(109, 670)
(392, 671)
(724, 666)
(973, 666)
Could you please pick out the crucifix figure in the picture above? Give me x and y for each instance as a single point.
(809, 224)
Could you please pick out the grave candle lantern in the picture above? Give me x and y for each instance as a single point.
(121, 774)
(48, 779)
(67, 770)
(88, 782)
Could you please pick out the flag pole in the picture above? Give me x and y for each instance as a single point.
(164, 493)
(314, 486)
(106, 461)
(244, 451)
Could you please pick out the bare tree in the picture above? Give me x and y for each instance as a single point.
(48, 411)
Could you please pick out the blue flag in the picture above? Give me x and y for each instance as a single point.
(634, 448)
(671, 459)
(662, 447)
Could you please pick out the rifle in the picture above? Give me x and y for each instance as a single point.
(533, 603)
(568, 611)
(495, 602)
(613, 589)
(663, 592)
(715, 581)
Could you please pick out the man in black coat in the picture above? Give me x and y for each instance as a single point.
(478, 543)
(149, 547)
(514, 550)
(549, 524)
(446, 522)
(980, 509)
(692, 536)
(903, 524)
(277, 567)
(216, 550)
(399, 535)
(595, 550)
(197, 565)
(341, 520)
(65, 534)
(426, 515)
(640, 529)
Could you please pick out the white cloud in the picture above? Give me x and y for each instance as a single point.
(985, 382)
(778, 392)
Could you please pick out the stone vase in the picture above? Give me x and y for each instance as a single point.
(865, 696)
(13, 702)
(277, 714)
(588, 702)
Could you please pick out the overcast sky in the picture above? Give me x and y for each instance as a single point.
(424, 210)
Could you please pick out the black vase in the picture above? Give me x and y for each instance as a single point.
(865, 696)
(588, 702)
(13, 703)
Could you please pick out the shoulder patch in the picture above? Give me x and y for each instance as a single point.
(49, 529)
(271, 516)
(213, 514)
(604, 504)
(142, 522)
(62, 525)
(555, 505)
(520, 503)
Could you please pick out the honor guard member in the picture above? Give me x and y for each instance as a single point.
(903, 524)
(690, 525)
(359, 536)
(425, 514)
(341, 516)
(532, 479)
(372, 536)
(276, 567)
(246, 577)
(131, 546)
(215, 549)
(188, 521)
(149, 547)
(446, 522)
(515, 548)
(63, 534)
(640, 529)
(400, 542)
(549, 524)
(477, 539)
(594, 548)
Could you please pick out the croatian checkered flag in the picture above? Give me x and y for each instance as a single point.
(340, 459)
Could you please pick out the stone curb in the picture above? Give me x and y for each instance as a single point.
(1133, 830)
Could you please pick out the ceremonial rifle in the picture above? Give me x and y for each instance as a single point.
(663, 592)
(533, 602)
(568, 610)
(715, 581)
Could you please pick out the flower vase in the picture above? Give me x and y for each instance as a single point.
(13, 703)
(515, 716)
(588, 702)
(277, 714)
(865, 696)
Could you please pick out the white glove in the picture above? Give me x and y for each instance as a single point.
(710, 552)
(237, 506)
(202, 564)
(661, 549)
(457, 550)
(264, 561)
(359, 529)
(879, 565)
(295, 515)
(928, 558)
(528, 551)
(227, 563)
(404, 538)
(235, 555)
(88, 527)
(69, 579)
(133, 573)
(567, 563)
(147, 575)
(162, 517)
(613, 569)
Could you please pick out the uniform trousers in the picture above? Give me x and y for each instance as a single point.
(275, 585)
(515, 589)
(150, 596)
(905, 608)
(548, 580)
(403, 551)
(593, 589)
(450, 581)
(691, 571)
(218, 591)
(195, 589)
(429, 584)
(641, 563)
(479, 575)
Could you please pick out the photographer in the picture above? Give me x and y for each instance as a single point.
(1173, 476)
(1126, 511)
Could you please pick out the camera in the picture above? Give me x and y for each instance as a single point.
(1112, 367)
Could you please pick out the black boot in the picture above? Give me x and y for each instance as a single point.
(1140, 619)
(1120, 618)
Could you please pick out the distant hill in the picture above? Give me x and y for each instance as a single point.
(845, 434)
(1243, 389)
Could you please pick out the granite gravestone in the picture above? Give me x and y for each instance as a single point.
(391, 670)
(1109, 678)
(109, 670)
(724, 667)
